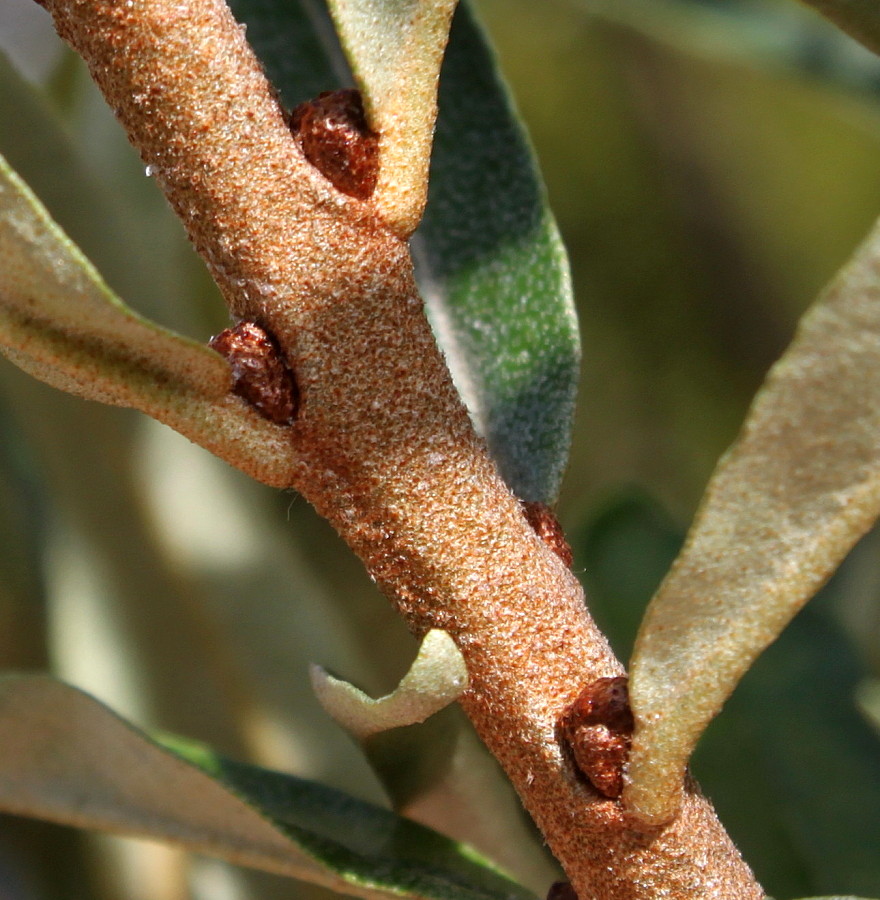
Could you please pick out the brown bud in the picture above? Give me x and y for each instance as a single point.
(333, 134)
(259, 374)
(598, 728)
(545, 524)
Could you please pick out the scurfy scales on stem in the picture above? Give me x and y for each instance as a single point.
(305, 234)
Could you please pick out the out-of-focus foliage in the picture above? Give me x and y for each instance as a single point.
(707, 182)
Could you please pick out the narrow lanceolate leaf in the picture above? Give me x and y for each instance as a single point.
(67, 758)
(437, 677)
(395, 48)
(64, 323)
(798, 488)
(858, 18)
(61, 323)
(495, 275)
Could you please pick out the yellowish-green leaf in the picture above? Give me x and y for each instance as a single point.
(395, 48)
(61, 323)
(787, 502)
(437, 677)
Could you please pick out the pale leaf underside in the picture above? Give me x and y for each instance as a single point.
(436, 678)
(61, 323)
(787, 502)
(395, 48)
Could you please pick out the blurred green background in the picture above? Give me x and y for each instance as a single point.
(711, 164)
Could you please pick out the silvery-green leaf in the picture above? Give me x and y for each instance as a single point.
(495, 275)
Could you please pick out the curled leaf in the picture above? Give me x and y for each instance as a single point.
(786, 503)
(395, 50)
(437, 677)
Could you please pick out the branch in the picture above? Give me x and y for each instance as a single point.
(384, 447)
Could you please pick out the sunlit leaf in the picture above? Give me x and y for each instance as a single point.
(54, 301)
(495, 275)
(786, 503)
(67, 758)
(806, 821)
(395, 50)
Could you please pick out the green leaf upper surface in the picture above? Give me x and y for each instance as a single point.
(495, 275)
(67, 758)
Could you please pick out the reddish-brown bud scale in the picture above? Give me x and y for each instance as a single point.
(334, 136)
(598, 728)
(259, 374)
(545, 524)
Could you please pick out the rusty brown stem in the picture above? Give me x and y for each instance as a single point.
(382, 445)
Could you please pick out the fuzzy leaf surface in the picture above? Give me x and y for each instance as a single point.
(495, 275)
(787, 502)
(437, 677)
(67, 758)
(62, 324)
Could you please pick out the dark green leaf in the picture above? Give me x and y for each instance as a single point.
(814, 757)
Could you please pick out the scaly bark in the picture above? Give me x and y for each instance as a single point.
(381, 444)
